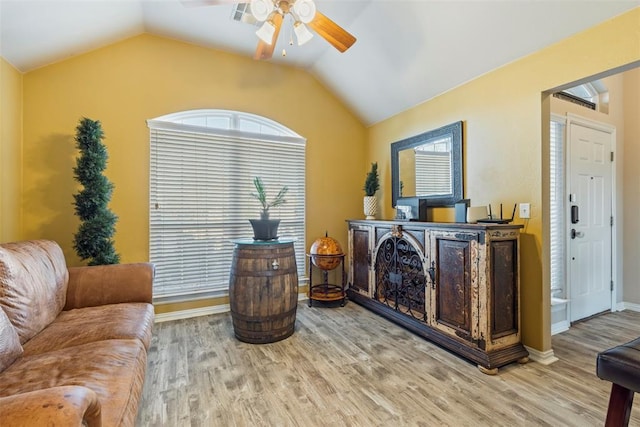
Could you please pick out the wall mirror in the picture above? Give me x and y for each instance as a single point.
(428, 166)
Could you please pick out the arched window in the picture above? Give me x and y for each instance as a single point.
(202, 165)
(593, 95)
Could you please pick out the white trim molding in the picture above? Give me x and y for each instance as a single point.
(560, 327)
(542, 357)
(621, 306)
(203, 311)
(194, 312)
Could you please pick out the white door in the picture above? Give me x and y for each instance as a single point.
(590, 231)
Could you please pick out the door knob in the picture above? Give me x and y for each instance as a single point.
(575, 233)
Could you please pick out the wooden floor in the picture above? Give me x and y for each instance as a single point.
(346, 366)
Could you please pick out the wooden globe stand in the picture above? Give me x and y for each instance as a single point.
(326, 292)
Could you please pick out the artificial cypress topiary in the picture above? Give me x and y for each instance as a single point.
(93, 241)
(372, 183)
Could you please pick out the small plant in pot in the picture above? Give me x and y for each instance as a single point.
(265, 228)
(371, 185)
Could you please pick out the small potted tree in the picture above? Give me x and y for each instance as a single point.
(265, 228)
(94, 239)
(371, 185)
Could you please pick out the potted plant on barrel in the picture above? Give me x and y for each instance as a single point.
(265, 228)
(371, 185)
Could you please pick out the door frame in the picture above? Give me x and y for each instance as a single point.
(611, 130)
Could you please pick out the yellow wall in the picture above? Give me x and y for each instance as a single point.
(502, 114)
(10, 151)
(631, 185)
(146, 76)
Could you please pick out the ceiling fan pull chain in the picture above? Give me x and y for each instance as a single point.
(291, 35)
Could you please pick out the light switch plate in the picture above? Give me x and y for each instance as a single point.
(525, 210)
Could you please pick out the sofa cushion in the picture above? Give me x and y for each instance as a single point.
(90, 324)
(10, 348)
(113, 369)
(55, 406)
(33, 284)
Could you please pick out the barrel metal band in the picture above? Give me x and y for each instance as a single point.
(265, 273)
(262, 319)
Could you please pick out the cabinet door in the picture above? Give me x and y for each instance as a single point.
(452, 271)
(399, 282)
(360, 259)
(505, 315)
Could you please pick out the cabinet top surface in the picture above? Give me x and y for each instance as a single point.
(404, 223)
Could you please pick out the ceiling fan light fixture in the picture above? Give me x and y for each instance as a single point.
(303, 35)
(266, 32)
(305, 10)
(261, 9)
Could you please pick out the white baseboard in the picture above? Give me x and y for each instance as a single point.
(543, 357)
(628, 306)
(194, 312)
(559, 327)
(203, 311)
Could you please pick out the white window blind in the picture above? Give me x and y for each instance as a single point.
(557, 206)
(433, 172)
(200, 185)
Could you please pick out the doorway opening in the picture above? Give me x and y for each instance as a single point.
(582, 190)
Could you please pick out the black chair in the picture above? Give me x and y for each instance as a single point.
(621, 366)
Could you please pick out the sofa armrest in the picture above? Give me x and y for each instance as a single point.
(56, 406)
(109, 284)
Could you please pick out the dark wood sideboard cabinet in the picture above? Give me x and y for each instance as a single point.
(454, 284)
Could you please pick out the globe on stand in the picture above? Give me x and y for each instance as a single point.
(326, 254)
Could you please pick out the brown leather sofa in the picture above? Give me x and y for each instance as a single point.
(73, 341)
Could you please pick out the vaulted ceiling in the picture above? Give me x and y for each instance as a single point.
(406, 51)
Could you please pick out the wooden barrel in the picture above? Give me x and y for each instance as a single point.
(263, 291)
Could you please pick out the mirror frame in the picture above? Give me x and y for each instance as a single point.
(455, 130)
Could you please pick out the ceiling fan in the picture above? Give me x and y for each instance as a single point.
(272, 13)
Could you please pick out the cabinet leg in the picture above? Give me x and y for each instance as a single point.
(523, 360)
(488, 371)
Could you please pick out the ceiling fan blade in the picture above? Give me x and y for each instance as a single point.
(332, 32)
(199, 3)
(264, 50)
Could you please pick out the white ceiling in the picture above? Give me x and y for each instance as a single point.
(406, 53)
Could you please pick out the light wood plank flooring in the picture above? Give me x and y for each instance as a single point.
(346, 366)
